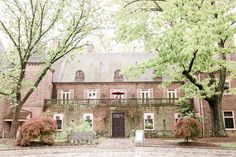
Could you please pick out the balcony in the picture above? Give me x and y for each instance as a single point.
(109, 102)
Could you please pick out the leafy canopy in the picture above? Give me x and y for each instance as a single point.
(188, 37)
(43, 29)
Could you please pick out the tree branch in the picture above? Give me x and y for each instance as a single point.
(8, 33)
(194, 81)
(154, 1)
(27, 95)
(192, 61)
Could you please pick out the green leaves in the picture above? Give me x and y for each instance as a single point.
(181, 29)
(30, 26)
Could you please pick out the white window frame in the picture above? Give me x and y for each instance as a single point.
(92, 91)
(229, 117)
(145, 91)
(228, 93)
(65, 92)
(172, 92)
(145, 117)
(176, 116)
(61, 118)
(90, 115)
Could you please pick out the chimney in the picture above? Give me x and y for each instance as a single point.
(90, 48)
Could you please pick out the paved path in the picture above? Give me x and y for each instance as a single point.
(117, 148)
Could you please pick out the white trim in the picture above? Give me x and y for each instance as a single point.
(65, 92)
(92, 91)
(172, 92)
(145, 117)
(176, 116)
(228, 117)
(10, 120)
(61, 118)
(228, 81)
(90, 115)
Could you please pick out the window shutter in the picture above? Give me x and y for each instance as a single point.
(97, 93)
(139, 91)
(86, 94)
(165, 93)
(177, 92)
(59, 94)
(71, 93)
(150, 93)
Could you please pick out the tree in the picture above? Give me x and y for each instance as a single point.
(43, 128)
(192, 40)
(187, 128)
(29, 25)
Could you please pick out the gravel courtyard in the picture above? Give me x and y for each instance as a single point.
(116, 148)
(108, 152)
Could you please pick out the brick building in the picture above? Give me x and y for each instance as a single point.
(92, 87)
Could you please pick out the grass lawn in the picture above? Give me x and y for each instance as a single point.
(231, 145)
(3, 146)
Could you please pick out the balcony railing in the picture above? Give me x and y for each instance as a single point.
(109, 102)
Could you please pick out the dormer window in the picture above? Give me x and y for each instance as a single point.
(118, 77)
(79, 76)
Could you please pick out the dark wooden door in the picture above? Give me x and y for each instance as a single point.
(118, 125)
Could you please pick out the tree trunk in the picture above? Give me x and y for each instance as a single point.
(15, 123)
(218, 129)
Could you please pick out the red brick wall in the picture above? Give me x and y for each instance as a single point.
(163, 115)
(4, 110)
(36, 100)
(105, 87)
(43, 91)
(228, 104)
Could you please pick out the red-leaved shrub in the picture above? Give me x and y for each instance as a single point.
(42, 128)
(187, 128)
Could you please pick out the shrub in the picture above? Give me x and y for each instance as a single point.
(73, 127)
(131, 133)
(37, 128)
(187, 128)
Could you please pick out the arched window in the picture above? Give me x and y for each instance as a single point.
(79, 76)
(118, 76)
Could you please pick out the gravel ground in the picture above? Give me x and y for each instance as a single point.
(115, 148)
(118, 152)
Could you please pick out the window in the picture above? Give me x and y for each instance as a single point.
(144, 95)
(118, 77)
(118, 93)
(148, 121)
(92, 94)
(79, 76)
(172, 95)
(59, 121)
(227, 87)
(228, 120)
(177, 116)
(88, 117)
(65, 95)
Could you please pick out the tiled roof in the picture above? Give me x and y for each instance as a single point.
(100, 67)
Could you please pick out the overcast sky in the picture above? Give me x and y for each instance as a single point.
(106, 41)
